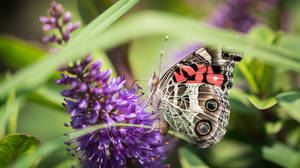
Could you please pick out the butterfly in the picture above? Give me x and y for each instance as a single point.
(191, 96)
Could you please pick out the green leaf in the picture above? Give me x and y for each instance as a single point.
(277, 39)
(297, 164)
(232, 153)
(189, 160)
(9, 115)
(280, 154)
(262, 104)
(290, 101)
(90, 9)
(67, 163)
(273, 128)
(16, 53)
(291, 42)
(15, 146)
(149, 23)
(262, 33)
(45, 150)
(48, 96)
(42, 121)
(249, 76)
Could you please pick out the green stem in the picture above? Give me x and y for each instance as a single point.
(81, 132)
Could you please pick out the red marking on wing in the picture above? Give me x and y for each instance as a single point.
(211, 77)
(210, 70)
(180, 77)
(201, 68)
(190, 71)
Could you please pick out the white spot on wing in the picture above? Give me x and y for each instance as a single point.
(203, 53)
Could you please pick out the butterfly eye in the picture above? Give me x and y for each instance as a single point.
(226, 55)
(211, 105)
(203, 127)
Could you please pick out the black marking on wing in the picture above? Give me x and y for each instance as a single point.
(192, 78)
(216, 69)
(185, 74)
(237, 58)
(174, 79)
(194, 66)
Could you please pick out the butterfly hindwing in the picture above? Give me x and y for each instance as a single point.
(199, 111)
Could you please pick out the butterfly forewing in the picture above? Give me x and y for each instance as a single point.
(204, 66)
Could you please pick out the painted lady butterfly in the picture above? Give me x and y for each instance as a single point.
(191, 96)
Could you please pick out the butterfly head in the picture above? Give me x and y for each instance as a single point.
(154, 81)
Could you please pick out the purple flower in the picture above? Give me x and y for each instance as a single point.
(94, 99)
(233, 14)
(237, 15)
(60, 20)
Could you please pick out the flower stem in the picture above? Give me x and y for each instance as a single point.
(86, 130)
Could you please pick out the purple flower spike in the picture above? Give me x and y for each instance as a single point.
(58, 20)
(102, 101)
(236, 14)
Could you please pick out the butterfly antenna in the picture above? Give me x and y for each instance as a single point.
(135, 82)
(162, 54)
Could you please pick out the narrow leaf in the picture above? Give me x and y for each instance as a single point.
(47, 96)
(290, 101)
(149, 23)
(9, 114)
(90, 9)
(16, 53)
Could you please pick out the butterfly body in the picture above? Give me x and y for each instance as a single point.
(191, 96)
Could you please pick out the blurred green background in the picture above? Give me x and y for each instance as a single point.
(264, 127)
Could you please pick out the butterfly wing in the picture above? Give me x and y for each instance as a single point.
(206, 65)
(192, 94)
(198, 111)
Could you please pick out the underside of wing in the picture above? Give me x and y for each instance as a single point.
(198, 111)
